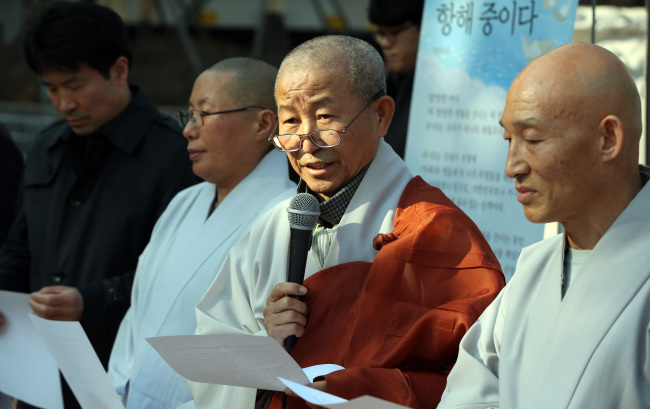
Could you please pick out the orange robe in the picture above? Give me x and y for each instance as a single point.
(395, 324)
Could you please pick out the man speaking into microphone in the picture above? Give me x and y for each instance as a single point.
(395, 274)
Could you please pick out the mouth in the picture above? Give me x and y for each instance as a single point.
(318, 165)
(525, 194)
(73, 122)
(317, 168)
(194, 154)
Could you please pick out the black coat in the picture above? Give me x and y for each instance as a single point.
(401, 89)
(11, 170)
(88, 208)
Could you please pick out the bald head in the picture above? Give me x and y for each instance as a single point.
(573, 122)
(226, 130)
(361, 63)
(586, 82)
(251, 83)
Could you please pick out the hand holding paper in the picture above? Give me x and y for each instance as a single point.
(312, 395)
(230, 359)
(252, 361)
(27, 370)
(61, 303)
(234, 359)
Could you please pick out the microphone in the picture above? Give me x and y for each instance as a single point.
(303, 212)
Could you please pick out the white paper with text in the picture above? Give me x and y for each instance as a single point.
(230, 359)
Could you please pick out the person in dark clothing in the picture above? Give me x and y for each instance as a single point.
(398, 32)
(95, 182)
(11, 170)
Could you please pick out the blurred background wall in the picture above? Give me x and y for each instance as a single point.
(174, 40)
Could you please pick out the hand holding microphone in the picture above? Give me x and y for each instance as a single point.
(284, 316)
(303, 214)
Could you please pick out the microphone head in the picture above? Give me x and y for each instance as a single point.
(303, 211)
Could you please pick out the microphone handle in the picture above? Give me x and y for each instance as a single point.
(299, 245)
(289, 342)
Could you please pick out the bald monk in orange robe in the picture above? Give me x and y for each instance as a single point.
(395, 324)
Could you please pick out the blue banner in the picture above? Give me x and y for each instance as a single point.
(469, 53)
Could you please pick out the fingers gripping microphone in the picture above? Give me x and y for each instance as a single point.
(303, 212)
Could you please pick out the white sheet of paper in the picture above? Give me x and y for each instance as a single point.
(367, 402)
(29, 371)
(312, 395)
(78, 363)
(320, 370)
(230, 359)
(330, 401)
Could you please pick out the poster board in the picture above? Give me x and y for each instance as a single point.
(469, 53)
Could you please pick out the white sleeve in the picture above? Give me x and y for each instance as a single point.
(236, 298)
(235, 302)
(228, 304)
(120, 362)
(120, 365)
(473, 383)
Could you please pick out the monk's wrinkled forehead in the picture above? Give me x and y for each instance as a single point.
(305, 86)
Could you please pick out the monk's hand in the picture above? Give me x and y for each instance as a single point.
(285, 316)
(320, 385)
(59, 303)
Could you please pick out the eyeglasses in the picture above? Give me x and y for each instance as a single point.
(323, 138)
(195, 117)
(388, 35)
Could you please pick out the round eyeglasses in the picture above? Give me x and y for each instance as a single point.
(195, 117)
(323, 138)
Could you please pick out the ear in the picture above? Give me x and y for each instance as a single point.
(120, 71)
(611, 137)
(384, 108)
(265, 125)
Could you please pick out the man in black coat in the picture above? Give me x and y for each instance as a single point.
(398, 33)
(11, 170)
(95, 182)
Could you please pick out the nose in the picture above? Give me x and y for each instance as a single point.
(190, 131)
(387, 44)
(64, 103)
(307, 145)
(516, 165)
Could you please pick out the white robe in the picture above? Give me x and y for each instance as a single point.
(235, 301)
(185, 252)
(532, 349)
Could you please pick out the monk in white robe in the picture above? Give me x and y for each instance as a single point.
(192, 237)
(388, 248)
(572, 327)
